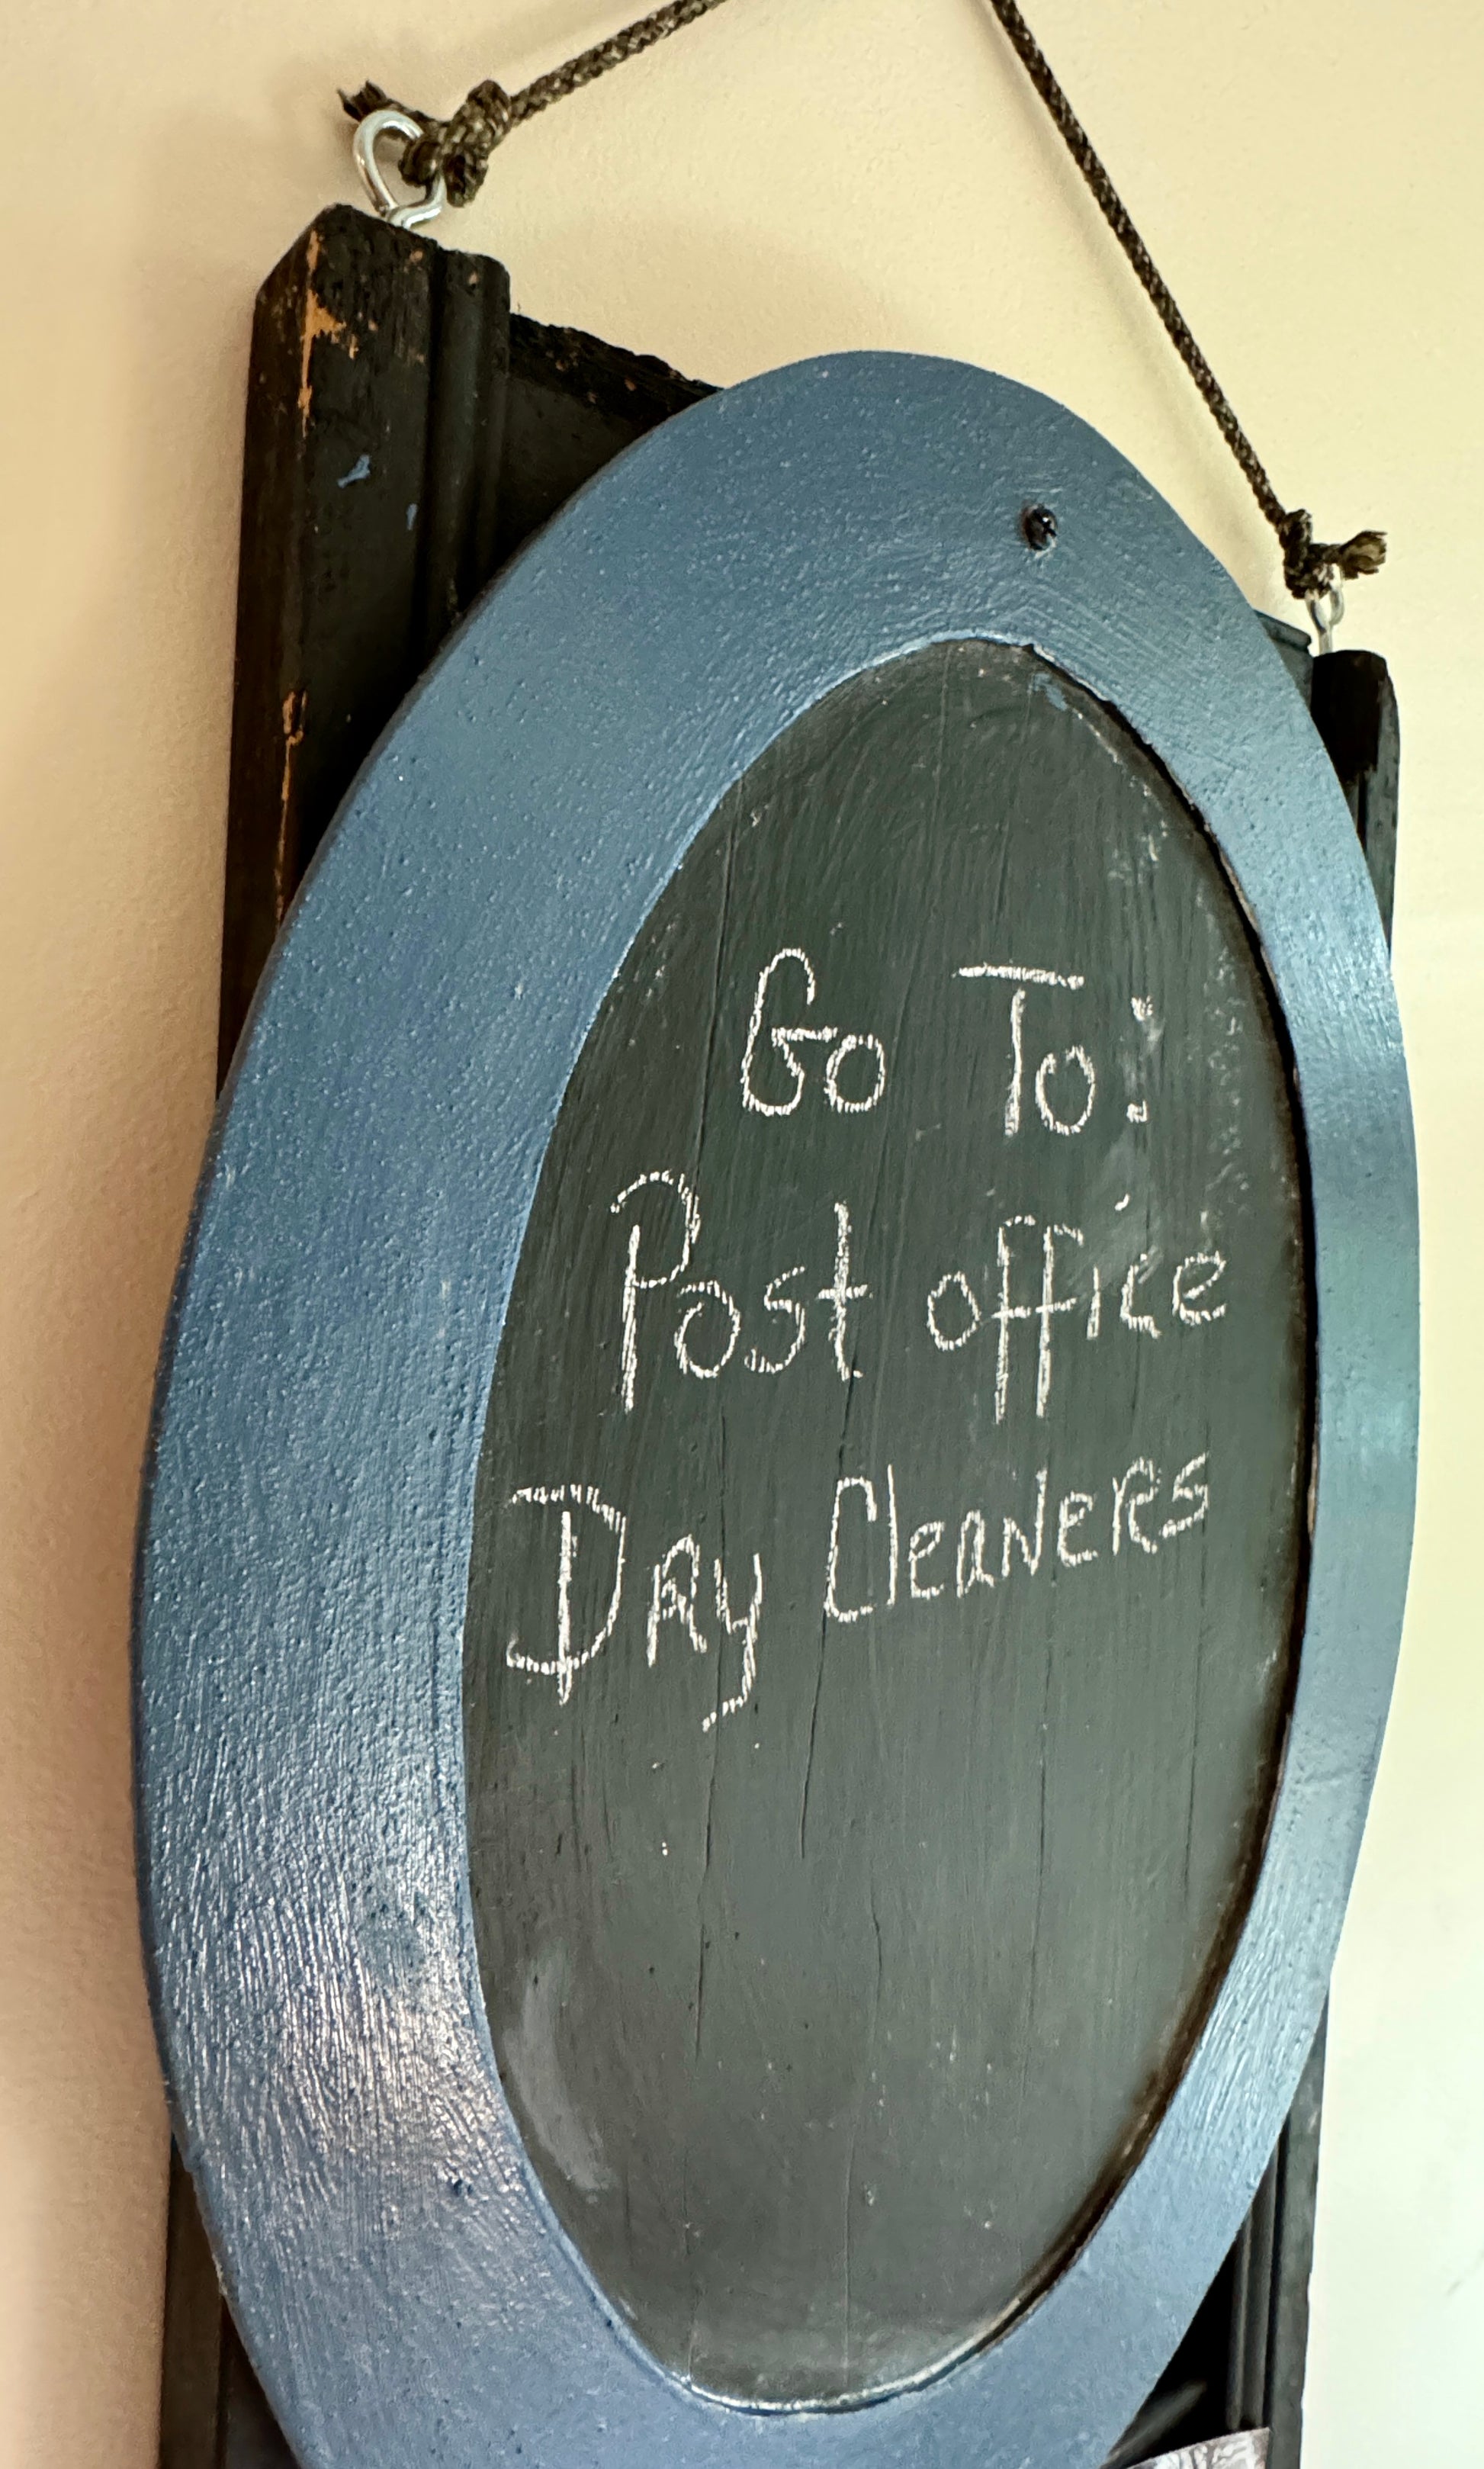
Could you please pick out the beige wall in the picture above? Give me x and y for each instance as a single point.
(790, 176)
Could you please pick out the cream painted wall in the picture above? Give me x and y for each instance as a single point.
(790, 176)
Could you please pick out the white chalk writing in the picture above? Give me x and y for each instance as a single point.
(1141, 1322)
(847, 1484)
(566, 1662)
(633, 1284)
(1045, 1312)
(949, 1341)
(1041, 1510)
(840, 1294)
(707, 1333)
(746, 1628)
(787, 1308)
(669, 1601)
(1076, 1059)
(1010, 1320)
(786, 1038)
(1194, 1280)
(707, 1290)
(1031, 1509)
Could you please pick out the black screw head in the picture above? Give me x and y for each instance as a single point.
(1039, 526)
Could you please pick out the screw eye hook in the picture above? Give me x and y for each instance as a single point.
(369, 132)
(1326, 608)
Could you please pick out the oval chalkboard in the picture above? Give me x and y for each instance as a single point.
(888, 1535)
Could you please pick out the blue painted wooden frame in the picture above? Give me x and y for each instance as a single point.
(407, 2295)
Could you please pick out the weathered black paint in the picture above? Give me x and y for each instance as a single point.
(347, 352)
(405, 434)
(1355, 711)
(829, 2023)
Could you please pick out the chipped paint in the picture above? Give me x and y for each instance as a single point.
(318, 320)
(294, 704)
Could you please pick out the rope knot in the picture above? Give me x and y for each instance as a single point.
(1311, 568)
(460, 146)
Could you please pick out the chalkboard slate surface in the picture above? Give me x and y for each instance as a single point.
(889, 1535)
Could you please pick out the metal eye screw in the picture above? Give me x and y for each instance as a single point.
(1325, 610)
(369, 132)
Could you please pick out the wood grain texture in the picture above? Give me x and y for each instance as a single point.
(817, 531)
(921, 1523)
(404, 437)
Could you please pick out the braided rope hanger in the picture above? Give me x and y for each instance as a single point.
(455, 154)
